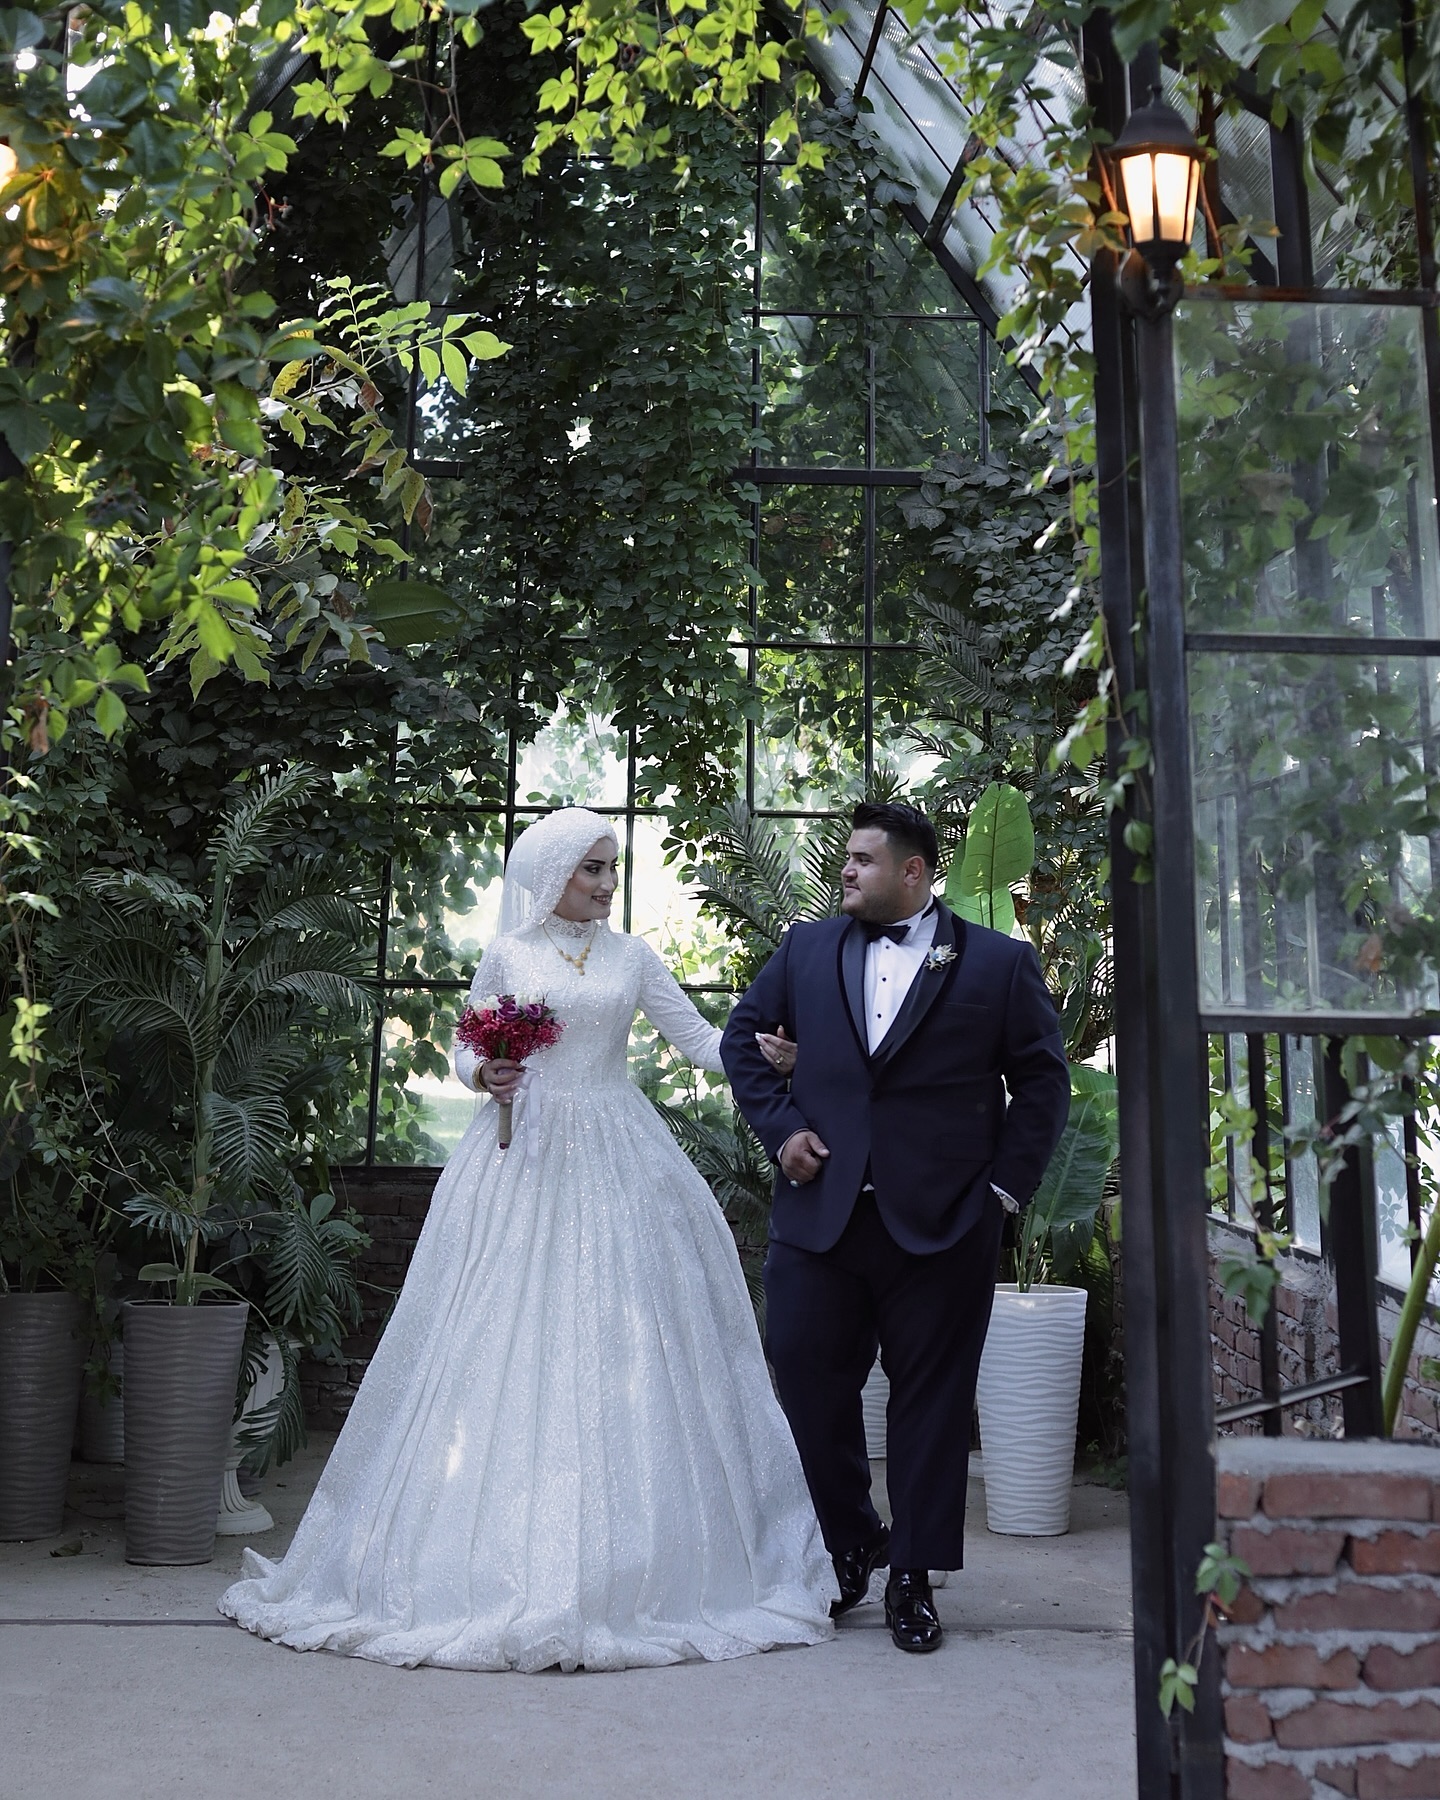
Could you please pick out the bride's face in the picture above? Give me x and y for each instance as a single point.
(592, 887)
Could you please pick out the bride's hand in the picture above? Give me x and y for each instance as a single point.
(778, 1050)
(500, 1078)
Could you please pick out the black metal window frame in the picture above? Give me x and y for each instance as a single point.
(757, 477)
(1161, 1043)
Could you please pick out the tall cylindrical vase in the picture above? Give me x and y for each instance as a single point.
(43, 1343)
(182, 1364)
(1029, 1399)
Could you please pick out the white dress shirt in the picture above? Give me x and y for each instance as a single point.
(890, 971)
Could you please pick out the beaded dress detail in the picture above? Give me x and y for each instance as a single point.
(566, 1450)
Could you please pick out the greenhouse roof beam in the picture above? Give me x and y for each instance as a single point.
(870, 49)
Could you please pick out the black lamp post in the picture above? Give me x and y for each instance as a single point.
(1158, 163)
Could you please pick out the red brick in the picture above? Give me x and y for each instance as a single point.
(1324, 1494)
(1397, 1553)
(1338, 1776)
(1393, 1670)
(1357, 1606)
(1271, 1781)
(1246, 1719)
(1237, 1496)
(417, 1206)
(1331, 1722)
(1287, 1550)
(1247, 1608)
(1290, 1666)
(1381, 1779)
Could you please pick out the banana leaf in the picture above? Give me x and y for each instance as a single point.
(995, 909)
(999, 850)
(1060, 1222)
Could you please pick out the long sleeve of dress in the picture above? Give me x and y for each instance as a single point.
(489, 979)
(674, 1015)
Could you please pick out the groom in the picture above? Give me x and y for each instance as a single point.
(929, 1091)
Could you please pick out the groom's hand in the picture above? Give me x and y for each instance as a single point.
(802, 1156)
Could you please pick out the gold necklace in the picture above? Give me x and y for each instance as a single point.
(576, 962)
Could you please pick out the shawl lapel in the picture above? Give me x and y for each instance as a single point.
(852, 982)
(925, 990)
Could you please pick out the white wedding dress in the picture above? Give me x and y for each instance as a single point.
(566, 1450)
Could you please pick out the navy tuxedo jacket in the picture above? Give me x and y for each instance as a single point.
(928, 1112)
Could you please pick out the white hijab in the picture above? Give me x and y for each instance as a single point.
(542, 860)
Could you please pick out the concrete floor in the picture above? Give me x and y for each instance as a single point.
(120, 1683)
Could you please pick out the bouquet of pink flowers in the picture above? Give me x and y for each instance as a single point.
(511, 1030)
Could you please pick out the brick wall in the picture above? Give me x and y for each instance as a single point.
(394, 1203)
(1331, 1656)
(1309, 1346)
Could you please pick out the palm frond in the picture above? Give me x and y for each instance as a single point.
(958, 666)
(251, 827)
(330, 914)
(134, 893)
(822, 860)
(273, 1433)
(747, 875)
(250, 1136)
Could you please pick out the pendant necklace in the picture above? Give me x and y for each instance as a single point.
(576, 962)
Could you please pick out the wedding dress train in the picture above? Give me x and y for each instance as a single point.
(566, 1450)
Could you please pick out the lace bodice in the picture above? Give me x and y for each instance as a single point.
(622, 976)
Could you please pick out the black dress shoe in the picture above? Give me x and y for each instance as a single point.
(854, 1568)
(910, 1610)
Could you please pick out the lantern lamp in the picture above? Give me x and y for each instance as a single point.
(1159, 164)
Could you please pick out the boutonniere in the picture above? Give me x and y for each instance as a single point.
(940, 956)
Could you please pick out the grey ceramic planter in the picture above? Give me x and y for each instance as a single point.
(182, 1364)
(43, 1342)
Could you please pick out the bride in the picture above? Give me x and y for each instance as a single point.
(566, 1450)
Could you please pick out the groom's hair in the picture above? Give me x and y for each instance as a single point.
(906, 827)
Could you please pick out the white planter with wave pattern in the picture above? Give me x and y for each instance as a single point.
(1029, 1398)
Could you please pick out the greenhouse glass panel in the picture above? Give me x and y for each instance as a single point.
(1306, 471)
(812, 564)
(810, 743)
(927, 391)
(443, 915)
(1302, 1102)
(666, 912)
(1315, 778)
(815, 373)
(579, 759)
(903, 560)
(423, 1107)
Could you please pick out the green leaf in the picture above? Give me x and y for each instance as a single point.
(411, 612)
(1177, 1684)
(999, 850)
(456, 368)
(995, 909)
(110, 712)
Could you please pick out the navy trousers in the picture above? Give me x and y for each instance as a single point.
(826, 1313)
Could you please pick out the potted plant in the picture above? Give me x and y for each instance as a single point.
(209, 1002)
(55, 1224)
(1028, 1390)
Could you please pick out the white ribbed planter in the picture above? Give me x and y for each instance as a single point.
(239, 1517)
(1029, 1398)
(874, 1398)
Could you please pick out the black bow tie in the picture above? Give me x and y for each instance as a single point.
(897, 934)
